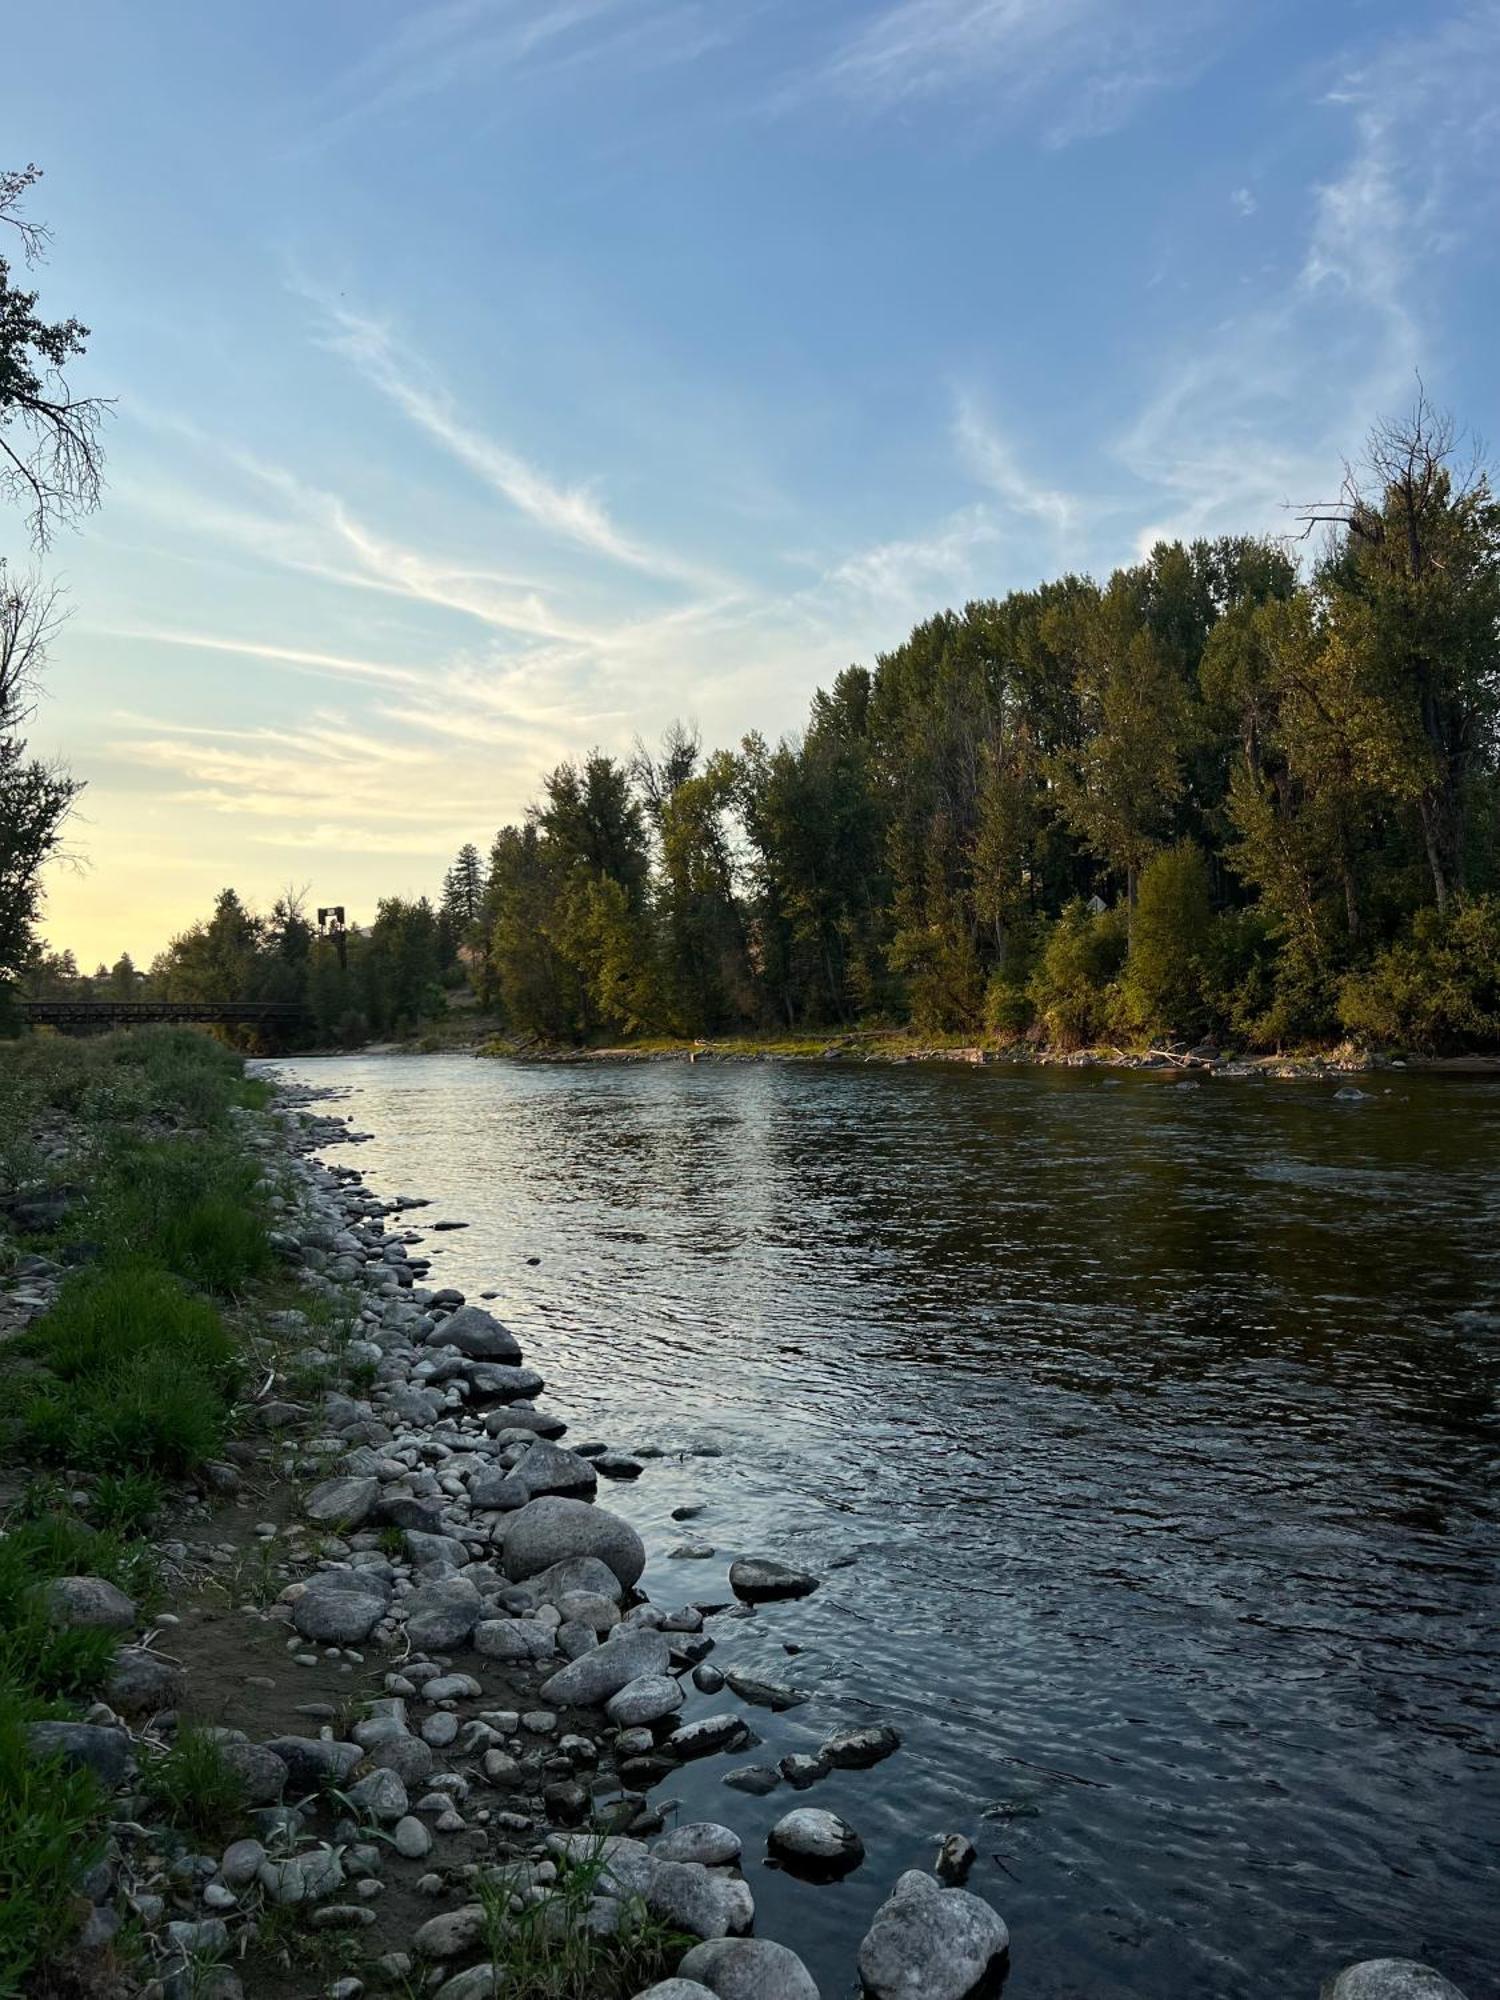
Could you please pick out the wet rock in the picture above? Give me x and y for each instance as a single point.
(815, 1844)
(493, 1379)
(765, 1694)
(566, 1802)
(759, 1580)
(591, 1680)
(441, 1615)
(648, 1698)
(553, 1530)
(517, 1422)
(756, 1779)
(345, 1504)
(801, 1770)
(83, 1746)
(749, 1969)
(90, 1603)
(858, 1749)
(956, 1856)
(618, 1465)
(708, 1735)
(694, 1899)
(140, 1683)
(703, 1841)
(1389, 1979)
(478, 1334)
(929, 1943)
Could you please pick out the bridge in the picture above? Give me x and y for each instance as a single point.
(136, 1013)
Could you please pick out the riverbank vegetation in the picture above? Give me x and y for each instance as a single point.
(119, 1165)
(1243, 791)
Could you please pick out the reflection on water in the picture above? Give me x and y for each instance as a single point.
(1161, 1428)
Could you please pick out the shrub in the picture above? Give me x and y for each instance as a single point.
(1438, 988)
(1080, 959)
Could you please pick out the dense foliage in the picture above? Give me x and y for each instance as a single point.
(1219, 795)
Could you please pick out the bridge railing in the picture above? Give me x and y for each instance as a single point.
(128, 1013)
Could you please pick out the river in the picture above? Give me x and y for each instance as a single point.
(1145, 1437)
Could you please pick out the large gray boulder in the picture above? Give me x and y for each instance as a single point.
(478, 1334)
(90, 1602)
(1389, 1979)
(552, 1468)
(502, 1382)
(553, 1530)
(625, 1656)
(929, 1943)
(443, 1614)
(749, 1969)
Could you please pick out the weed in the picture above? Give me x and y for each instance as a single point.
(547, 1951)
(195, 1786)
(37, 1658)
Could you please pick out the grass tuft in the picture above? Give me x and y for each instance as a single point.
(48, 1835)
(546, 1951)
(194, 1786)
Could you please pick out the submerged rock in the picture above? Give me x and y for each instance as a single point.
(759, 1580)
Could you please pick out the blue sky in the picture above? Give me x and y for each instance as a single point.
(502, 378)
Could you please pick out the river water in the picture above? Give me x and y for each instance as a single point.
(1146, 1438)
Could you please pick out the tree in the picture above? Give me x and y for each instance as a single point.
(1412, 588)
(35, 798)
(50, 454)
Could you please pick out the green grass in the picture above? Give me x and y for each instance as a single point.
(49, 1832)
(191, 1205)
(144, 1375)
(194, 1787)
(545, 1950)
(127, 1502)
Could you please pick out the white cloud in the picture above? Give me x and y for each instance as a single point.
(1243, 202)
(903, 575)
(1076, 68)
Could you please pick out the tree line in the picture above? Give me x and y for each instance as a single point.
(1224, 794)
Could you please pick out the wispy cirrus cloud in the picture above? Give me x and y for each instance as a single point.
(1259, 413)
(571, 512)
(1072, 68)
(993, 460)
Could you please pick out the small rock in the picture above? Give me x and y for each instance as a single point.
(929, 1941)
(749, 1969)
(756, 1779)
(411, 1839)
(89, 1602)
(1389, 1979)
(647, 1699)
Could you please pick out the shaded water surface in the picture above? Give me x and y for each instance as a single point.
(1161, 1426)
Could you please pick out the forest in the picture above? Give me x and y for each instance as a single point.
(1243, 791)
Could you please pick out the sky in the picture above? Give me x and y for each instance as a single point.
(501, 379)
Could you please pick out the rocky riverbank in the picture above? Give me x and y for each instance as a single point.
(399, 1616)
